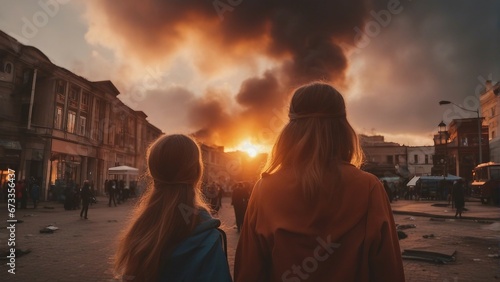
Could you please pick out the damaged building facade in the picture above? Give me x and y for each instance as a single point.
(60, 128)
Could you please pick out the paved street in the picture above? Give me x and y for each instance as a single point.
(81, 250)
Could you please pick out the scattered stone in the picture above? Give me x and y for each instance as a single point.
(410, 218)
(476, 259)
(401, 235)
(49, 229)
(405, 226)
(439, 205)
(493, 256)
(428, 236)
(46, 230)
(19, 252)
(435, 256)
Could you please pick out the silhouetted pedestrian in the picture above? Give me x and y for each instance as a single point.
(35, 193)
(111, 189)
(86, 196)
(459, 197)
(239, 200)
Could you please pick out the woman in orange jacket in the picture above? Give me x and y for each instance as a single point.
(315, 215)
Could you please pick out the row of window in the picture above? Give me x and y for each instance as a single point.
(74, 92)
(71, 125)
(416, 159)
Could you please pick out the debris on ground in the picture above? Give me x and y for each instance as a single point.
(438, 257)
(428, 236)
(405, 226)
(49, 229)
(493, 256)
(410, 218)
(19, 252)
(476, 259)
(401, 235)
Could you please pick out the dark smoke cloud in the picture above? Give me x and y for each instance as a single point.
(303, 35)
(431, 51)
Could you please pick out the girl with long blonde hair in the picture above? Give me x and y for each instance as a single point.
(171, 236)
(315, 215)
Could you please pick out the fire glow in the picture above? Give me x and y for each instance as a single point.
(252, 150)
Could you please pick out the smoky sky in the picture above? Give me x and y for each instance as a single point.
(431, 51)
(304, 36)
(426, 52)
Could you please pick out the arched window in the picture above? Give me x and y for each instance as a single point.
(8, 68)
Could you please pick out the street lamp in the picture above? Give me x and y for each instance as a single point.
(478, 125)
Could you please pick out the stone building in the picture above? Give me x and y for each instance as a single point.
(59, 128)
(490, 111)
(384, 159)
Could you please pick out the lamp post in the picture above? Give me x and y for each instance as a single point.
(443, 140)
(478, 125)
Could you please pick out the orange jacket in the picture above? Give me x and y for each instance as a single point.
(350, 238)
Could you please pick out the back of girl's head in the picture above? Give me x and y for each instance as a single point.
(318, 137)
(174, 159)
(167, 211)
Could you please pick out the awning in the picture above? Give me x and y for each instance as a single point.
(414, 180)
(123, 170)
(10, 144)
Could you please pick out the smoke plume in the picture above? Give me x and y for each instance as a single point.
(301, 38)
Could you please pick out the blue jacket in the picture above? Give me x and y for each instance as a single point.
(199, 257)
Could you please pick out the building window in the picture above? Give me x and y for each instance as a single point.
(26, 76)
(82, 125)
(465, 142)
(95, 130)
(73, 93)
(58, 117)
(415, 159)
(85, 98)
(426, 159)
(390, 159)
(97, 106)
(8, 68)
(71, 122)
(60, 87)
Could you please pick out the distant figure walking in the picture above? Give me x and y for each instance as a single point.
(111, 188)
(459, 197)
(35, 193)
(239, 200)
(86, 195)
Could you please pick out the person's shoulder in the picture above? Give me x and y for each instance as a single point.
(357, 173)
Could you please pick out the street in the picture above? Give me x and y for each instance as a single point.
(82, 250)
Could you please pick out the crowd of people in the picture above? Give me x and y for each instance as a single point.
(119, 191)
(25, 190)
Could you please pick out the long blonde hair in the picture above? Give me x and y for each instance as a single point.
(167, 212)
(316, 140)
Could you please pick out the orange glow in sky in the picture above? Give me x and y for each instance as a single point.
(248, 147)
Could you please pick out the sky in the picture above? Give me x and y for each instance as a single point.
(224, 70)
